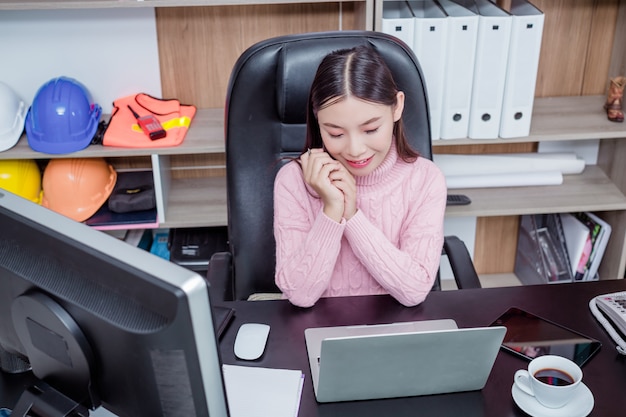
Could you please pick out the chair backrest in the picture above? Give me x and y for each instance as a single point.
(265, 121)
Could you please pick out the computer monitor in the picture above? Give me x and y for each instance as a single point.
(102, 323)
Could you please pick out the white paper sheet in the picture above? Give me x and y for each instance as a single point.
(262, 392)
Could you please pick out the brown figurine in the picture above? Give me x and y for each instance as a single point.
(614, 98)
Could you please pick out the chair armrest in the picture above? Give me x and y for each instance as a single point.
(461, 263)
(220, 277)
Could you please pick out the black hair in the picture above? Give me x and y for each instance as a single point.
(358, 72)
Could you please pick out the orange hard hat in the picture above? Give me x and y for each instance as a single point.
(77, 187)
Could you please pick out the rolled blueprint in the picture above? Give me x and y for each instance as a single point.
(462, 165)
(504, 180)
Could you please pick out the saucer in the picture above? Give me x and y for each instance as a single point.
(580, 406)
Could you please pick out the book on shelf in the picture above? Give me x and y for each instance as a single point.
(599, 233)
(588, 236)
(140, 238)
(578, 243)
(105, 219)
(160, 243)
(562, 247)
(542, 256)
(131, 204)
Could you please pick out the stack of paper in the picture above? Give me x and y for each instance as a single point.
(262, 392)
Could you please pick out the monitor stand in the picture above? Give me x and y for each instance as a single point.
(60, 356)
(41, 400)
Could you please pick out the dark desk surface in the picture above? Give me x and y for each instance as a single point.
(566, 304)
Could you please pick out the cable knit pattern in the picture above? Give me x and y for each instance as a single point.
(391, 245)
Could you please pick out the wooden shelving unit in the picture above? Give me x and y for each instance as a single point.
(554, 119)
(582, 47)
(188, 202)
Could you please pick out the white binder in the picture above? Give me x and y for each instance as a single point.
(459, 74)
(398, 21)
(429, 44)
(521, 76)
(492, 48)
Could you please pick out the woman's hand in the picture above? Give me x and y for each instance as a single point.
(344, 181)
(329, 179)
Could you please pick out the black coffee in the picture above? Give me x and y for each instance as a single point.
(556, 377)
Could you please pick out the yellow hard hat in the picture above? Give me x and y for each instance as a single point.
(21, 177)
(77, 187)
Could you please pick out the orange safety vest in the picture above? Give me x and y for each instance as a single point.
(123, 130)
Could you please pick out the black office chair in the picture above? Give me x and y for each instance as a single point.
(265, 120)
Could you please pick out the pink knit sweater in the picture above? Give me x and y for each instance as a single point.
(391, 245)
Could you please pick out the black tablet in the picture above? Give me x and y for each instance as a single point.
(529, 336)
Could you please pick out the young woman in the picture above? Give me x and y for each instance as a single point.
(359, 212)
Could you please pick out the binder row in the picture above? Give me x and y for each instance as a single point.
(479, 61)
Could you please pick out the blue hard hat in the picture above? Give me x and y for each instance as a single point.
(63, 117)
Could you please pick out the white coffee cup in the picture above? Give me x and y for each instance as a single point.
(551, 379)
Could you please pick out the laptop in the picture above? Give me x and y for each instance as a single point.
(400, 359)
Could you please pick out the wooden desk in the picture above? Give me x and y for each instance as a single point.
(566, 304)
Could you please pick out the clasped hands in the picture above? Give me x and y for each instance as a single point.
(333, 182)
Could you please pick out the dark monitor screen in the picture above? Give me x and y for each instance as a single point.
(102, 323)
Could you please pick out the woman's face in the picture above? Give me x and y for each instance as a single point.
(359, 133)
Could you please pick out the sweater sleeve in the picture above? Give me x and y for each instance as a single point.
(307, 241)
(407, 271)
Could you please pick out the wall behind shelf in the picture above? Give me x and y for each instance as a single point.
(112, 52)
(576, 46)
(198, 46)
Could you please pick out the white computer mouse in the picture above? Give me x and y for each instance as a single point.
(250, 340)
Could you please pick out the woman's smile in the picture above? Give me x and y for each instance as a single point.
(360, 164)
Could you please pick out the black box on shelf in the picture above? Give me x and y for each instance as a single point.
(192, 248)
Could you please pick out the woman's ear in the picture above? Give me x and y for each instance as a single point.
(399, 107)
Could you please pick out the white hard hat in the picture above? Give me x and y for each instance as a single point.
(12, 115)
